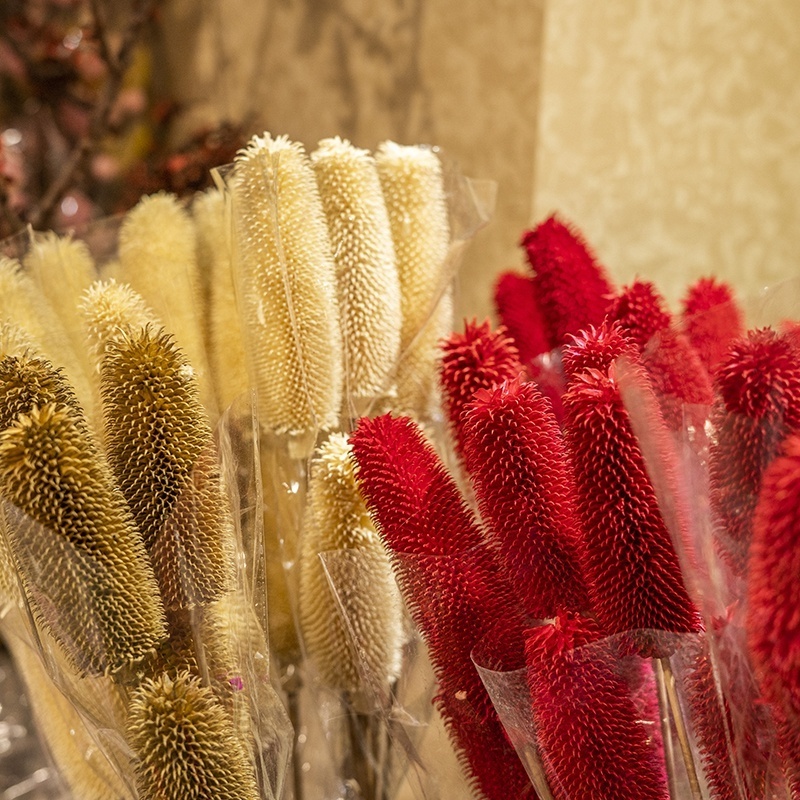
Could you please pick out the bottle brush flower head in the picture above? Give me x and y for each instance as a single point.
(160, 449)
(591, 737)
(711, 319)
(596, 348)
(525, 492)
(758, 405)
(629, 560)
(518, 310)
(413, 189)
(450, 583)
(184, 744)
(367, 282)
(572, 288)
(105, 609)
(288, 281)
(480, 358)
(367, 604)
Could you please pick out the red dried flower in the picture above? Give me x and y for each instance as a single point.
(711, 319)
(629, 561)
(596, 348)
(477, 359)
(525, 492)
(758, 383)
(593, 743)
(517, 308)
(571, 287)
(675, 369)
(451, 584)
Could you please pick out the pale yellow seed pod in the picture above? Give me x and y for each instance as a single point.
(80, 762)
(62, 269)
(184, 744)
(413, 189)
(14, 341)
(366, 272)
(338, 524)
(25, 307)
(289, 289)
(157, 253)
(104, 609)
(224, 330)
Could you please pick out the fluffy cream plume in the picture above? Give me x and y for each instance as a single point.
(337, 520)
(109, 309)
(289, 288)
(104, 609)
(157, 254)
(80, 762)
(413, 189)
(62, 269)
(23, 306)
(15, 341)
(224, 331)
(366, 273)
(160, 449)
(184, 744)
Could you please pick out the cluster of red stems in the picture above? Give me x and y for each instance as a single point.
(548, 547)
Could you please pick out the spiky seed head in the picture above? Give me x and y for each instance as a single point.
(640, 311)
(596, 348)
(160, 449)
(366, 271)
(338, 524)
(572, 289)
(158, 259)
(15, 341)
(223, 330)
(104, 609)
(109, 309)
(413, 190)
(516, 306)
(184, 744)
(289, 287)
(477, 359)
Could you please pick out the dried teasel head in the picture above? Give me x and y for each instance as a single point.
(572, 289)
(413, 188)
(184, 744)
(160, 449)
(105, 609)
(518, 309)
(367, 282)
(366, 604)
(288, 289)
(596, 348)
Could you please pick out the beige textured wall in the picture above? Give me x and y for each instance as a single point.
(463, 76)
(670, 132)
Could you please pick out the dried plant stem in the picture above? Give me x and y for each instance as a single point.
(292, 689)
(141, 12)
(667, 691)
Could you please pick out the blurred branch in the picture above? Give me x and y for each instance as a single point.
(141, 12)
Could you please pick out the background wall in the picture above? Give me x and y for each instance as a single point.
(670, 133)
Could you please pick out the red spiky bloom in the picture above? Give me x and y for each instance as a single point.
(629, 561)
(758, 383)
(525, 492)
(596, 348)
(477, 359)
(711, 319)
(590, 734)
(451, 585)
(773, 622)
(571, 286)
(675, 369)
(517, 308)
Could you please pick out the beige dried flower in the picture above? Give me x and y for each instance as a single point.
(289, 288)
(104, 608)
(358, 634)
(184, 744)
(413, 189)
(366, 273)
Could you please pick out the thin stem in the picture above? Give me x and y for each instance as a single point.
(293, 708)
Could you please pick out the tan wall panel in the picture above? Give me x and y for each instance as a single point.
(670, 132)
